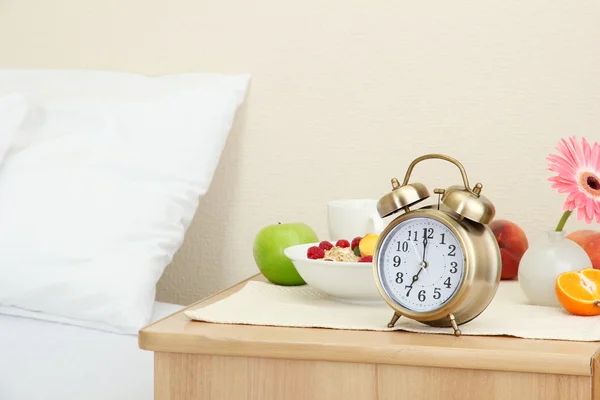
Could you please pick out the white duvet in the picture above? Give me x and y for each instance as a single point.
(48, 360)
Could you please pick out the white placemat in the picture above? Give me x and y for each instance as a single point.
(261, 303)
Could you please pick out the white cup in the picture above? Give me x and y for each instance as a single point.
(350, 218)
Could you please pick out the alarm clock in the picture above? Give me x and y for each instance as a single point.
(438, 264)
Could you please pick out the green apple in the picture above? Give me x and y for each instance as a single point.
(268, 251)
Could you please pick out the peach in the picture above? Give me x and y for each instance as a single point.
(367, 244)
(513, 243)
(589, 240)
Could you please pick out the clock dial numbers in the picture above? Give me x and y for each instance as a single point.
(453, 267)
(426, 277)
(400, 277)
(452, 252)
(428, 233)
(402, 246)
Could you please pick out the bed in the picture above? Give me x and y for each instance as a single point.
(122, 161)
(48, 360)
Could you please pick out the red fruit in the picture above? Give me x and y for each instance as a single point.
(513, 244)
(589, 240)
(343, 243)
(325, 245)
(315, 253)
(366, 259)
(355, 242)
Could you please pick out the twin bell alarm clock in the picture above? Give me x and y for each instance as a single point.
(438, 264)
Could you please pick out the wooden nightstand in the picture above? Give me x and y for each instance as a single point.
(195, 360)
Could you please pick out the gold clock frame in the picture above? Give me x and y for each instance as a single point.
(466, 215)
(480, 278)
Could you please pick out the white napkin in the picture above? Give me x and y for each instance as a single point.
(262, 303)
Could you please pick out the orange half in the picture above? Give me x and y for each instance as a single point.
(579, 291)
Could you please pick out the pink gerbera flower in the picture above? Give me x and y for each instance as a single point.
(578, 169)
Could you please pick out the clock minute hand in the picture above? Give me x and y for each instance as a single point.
(418, 255)
(423, 263)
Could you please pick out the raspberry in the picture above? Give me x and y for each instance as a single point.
(325, 245)
(355, 242)
(315, 253)
(342, 243)
(366, 259)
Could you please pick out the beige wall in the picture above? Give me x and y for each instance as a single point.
(344, 95)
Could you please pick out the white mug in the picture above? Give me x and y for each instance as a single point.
(350, 218)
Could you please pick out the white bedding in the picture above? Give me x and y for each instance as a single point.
(48, 360)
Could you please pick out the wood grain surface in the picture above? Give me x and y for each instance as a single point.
(194, 376)
(596, 376)
(176, 333)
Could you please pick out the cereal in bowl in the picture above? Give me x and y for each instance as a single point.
(342, 254)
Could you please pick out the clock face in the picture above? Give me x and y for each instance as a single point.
(421, 264)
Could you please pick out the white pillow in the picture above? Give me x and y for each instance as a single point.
(12, 111)
(99, 186)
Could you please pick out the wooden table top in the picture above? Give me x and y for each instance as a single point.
(177, 334)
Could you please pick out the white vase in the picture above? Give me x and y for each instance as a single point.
(543, 262)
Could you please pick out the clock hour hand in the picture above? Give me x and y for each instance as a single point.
(416, 277)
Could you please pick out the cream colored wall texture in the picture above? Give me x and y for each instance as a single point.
(344, 95)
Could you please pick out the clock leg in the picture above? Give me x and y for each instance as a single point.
(457, 331)
(395, 319)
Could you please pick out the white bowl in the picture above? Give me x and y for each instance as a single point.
(348, 282)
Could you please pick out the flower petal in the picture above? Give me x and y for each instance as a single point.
(589, 208)
(581, 214)
(568, 206)
(581, 200)
(565, 156)
(568, 152)
(558, 158)
(596, 158)
(571, 197)
(564, 181)
(587, 153)
(596, 209)
(563, 169)
(578, 151)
